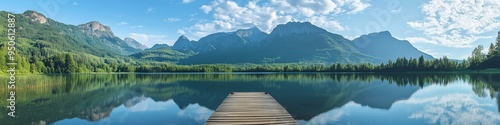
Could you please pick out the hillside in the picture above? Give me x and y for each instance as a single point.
(161, 53)
(494, 60)
(45, 45)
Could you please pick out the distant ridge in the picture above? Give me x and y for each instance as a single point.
(385, 46)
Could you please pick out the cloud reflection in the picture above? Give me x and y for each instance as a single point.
(196, 112)
(455, 109)
(329, 117)
(149, 104)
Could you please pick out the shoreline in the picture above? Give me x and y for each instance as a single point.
(285, 72)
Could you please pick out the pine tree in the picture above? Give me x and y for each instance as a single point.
(497, 45)
(70, 63)
(421, 61)
(477, 56)
(491, 51)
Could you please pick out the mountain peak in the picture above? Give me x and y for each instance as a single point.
(298, 23)
(97, 29)
(183, 38)
(182, 43)
(383, 44)
(134, 44)
(35, 16)
(95, 26)
(381, 33)
(249, 32)
(158, 46)
(254, 28)
(295, 28)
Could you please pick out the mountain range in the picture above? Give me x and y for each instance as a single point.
(293, 42)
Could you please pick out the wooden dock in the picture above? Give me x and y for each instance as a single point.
(250, 108)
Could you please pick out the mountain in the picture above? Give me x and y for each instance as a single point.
(253, 34)
(293, 28)
(156, 46)
(47, 46)
(93, 37)
(160, 52)
(288, 43)
(104, 33)
(35, 17)
(134, 44)
(295, 42)
(385, 46)
(305, 42)
(97, 29)
(183, 44)
(43, 40)
(220, 41)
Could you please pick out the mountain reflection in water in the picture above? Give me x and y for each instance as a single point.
(311, 98)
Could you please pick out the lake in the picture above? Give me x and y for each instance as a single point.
(311, 98)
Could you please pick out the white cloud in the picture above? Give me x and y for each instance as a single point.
(458, 23)
(149, 104)
(194, 14)
(206, 8)
(172, 19)
(187, 1)
(151, 10)
(323, 21)
(229, 16)
(195, 112)
(122, 23)
(182, 32)
(329, 117)
(140, 26)
(149, 40)
(74, 3)
(420, 40)
(356, 6)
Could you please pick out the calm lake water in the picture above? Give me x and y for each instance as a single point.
(311, 98)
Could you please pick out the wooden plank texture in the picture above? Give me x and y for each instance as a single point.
(250, 108)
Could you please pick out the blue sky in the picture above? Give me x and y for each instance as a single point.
(440, 28)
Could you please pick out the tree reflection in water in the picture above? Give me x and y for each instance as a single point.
(50, 98)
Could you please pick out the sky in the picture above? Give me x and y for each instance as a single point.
(449, 28)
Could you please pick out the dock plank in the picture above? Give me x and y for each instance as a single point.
(250, 108)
